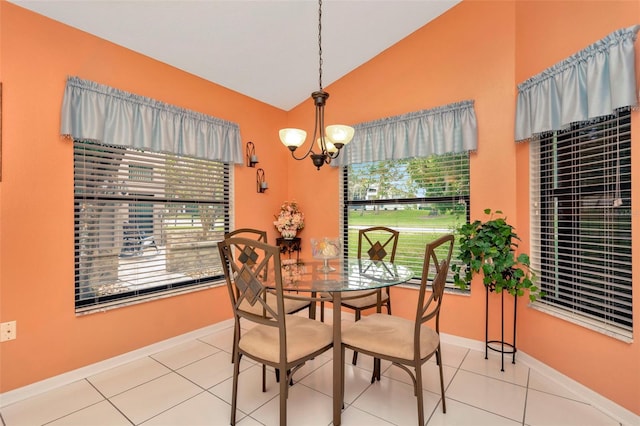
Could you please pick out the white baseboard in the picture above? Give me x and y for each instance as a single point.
(93, 369)
(609, 407)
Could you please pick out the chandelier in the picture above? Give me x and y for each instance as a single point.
(333, 138)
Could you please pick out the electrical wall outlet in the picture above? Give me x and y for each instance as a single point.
(7, 331)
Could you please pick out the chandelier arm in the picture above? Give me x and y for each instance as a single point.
(333, 155)
(310, 151)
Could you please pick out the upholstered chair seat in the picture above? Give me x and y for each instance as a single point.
(390, 335)
(304, 336)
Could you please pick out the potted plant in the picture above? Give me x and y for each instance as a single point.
(489, 248)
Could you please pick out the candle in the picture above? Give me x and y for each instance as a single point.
(254, 159)
(264, 185)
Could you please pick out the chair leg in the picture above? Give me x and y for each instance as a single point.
(234, 392)
(354, 361)
(321, 311)
(342, 373)
(278, 377)
(236, 337)
(284, 394)
(376, 370)
(264, 378)
(418, 391)
(439, 359)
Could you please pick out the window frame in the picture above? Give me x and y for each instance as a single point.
(347, 204)
(140, 175)
(552, 225)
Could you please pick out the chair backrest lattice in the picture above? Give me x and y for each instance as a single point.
(246, 261)
(378, 242)
(435, 269)
(257, 234)
(252, 233)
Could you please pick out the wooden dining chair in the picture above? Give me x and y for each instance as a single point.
(277, 339)
(408, 344)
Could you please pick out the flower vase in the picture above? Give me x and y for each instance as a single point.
(288, 234)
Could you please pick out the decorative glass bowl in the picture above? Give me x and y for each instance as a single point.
(326, 249)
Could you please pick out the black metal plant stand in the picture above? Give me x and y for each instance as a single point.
(504, 347)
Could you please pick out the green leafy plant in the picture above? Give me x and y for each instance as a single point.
(489, 248)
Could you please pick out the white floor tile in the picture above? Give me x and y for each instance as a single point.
(250, 395)
(305, 406)
(222, 339)
(546, 409)
(459, 414)
(395, 402)
(353, 416)
(190, 384)
(249, 421)
(496, 396)
(356, 380)
(517, 373)
(185, 354)
(51, 405)
(203, 409)
(154, 397)
(211, 370)
(543, 384)
(100, 414)
(452, 355)
(127, 376)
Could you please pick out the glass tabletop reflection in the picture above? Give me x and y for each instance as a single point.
(349, 274)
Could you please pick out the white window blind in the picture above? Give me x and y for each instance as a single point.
(146, 224)
(423, 198)
(581, 222)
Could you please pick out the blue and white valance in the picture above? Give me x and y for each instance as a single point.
(446, 129)
(92, 111)
(591, 83)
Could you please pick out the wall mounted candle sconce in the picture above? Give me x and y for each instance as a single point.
(261, 183)
(252, 158)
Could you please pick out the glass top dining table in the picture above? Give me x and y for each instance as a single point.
(335, 277)
(340, 275)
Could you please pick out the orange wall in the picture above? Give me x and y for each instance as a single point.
(478, 50)
(604, 364)
(36, 205)
(481, 50)
(454, 58)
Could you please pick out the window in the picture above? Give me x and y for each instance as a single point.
(146, 224)
(423, 198)
(581, 223)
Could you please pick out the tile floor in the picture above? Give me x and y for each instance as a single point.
(190, 384)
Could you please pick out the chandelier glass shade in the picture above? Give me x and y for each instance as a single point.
(330, 139)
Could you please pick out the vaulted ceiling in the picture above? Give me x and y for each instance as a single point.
(265, 49)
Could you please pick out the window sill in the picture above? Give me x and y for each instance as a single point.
(146, 298)
(606, 329)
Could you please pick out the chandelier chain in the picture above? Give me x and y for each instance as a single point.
(320, 44)
(336, 136)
